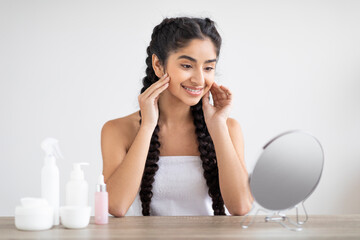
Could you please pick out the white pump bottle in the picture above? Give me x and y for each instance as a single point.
(77, 188)
(50, 185)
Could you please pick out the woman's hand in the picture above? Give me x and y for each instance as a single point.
(222, 105)
(148, 102)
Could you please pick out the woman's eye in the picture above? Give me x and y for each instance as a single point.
(186, 66)
(189, 66)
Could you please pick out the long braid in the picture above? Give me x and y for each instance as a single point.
(208, 157)
(151, 165)
(170, 35)
(151, 168)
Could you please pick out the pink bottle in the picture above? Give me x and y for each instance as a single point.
(101, 202)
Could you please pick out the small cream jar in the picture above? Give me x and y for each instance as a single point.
(75, 216)
(34, 214)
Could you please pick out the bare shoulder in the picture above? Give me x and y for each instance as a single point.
(117, 136)
(122, 129)
(235, 130)
(236, 136)
(233, 125)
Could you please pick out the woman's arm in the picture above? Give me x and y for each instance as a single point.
(123, 170)
(233, 176)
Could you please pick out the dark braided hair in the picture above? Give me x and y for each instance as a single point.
(167, 37)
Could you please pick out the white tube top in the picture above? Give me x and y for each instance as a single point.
(179, 189)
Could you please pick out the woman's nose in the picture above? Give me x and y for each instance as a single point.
(198, 78)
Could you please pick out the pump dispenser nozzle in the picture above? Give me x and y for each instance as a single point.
(77, 188)
(77, 173)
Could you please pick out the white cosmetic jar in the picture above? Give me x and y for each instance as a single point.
(75, 216)
(33, 214)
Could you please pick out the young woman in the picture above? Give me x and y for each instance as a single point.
(178, 155)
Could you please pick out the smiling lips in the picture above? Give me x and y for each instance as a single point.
(193, 88)
(194, 91)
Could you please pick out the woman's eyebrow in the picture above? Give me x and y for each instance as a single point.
(194, 60)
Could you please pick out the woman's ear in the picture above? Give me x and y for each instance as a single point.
(158, 68)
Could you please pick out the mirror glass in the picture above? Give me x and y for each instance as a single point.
(287, 171)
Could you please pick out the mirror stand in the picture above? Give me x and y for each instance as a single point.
(277, 217)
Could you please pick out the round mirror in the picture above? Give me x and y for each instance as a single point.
(287, 171)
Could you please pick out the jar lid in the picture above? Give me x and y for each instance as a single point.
(33, 206)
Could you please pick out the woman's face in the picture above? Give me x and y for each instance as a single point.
(192, 71)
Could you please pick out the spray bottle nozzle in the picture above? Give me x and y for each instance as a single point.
(51, 147)
(52, 150)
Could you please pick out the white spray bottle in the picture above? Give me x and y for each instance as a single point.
(50, 185)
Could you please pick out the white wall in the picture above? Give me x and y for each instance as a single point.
(66, 67)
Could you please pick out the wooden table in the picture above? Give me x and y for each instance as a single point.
(193, 227)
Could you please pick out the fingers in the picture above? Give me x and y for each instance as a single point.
(206, 98)
(226, 91)
(165, 78)
(214, 91)
(159, 90)
(220, 92)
